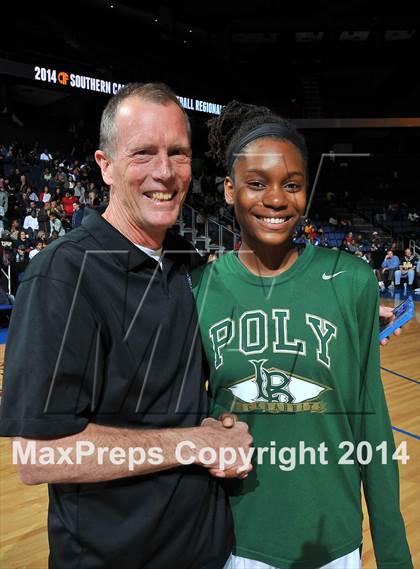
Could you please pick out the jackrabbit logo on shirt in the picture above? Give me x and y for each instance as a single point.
(274, 390)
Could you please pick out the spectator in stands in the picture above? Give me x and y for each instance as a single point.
(1, 219)
(79, 192)
(39, 245)
(4, 197)
(359, 242)
(14, 229)
(24, 239)
(32, 195)
(313, 235)
(407, 270)
(77, 215)
(376, 244)
(23, 183)
(308, 228)
(105, 199)
(348, 244)
(45, 157)
(45, 195)
(389, 265)
(44, 217)
(53, 185)
(6, 249)
(69, 183)
(56, 225)
(21, 205)
(42, 236)
(344, 245)
(18, 266)
(46, 176)
(55, 207)
(31, 223)
(7, 186)
(32, 206)
(57, 195)
(67, 202)
(54, 236)
(349, 238)
(92, 199)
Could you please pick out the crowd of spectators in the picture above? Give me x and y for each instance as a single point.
(382, 255)
(42, 197)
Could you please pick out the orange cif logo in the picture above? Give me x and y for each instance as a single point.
(63, 77)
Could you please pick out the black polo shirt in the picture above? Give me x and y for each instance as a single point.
(99, 333)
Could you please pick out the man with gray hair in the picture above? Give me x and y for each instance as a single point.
(119, 396)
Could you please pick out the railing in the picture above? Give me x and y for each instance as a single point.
(7, 274)
(414, 247)
(210, 234)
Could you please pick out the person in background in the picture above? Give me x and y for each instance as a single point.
(18, 266)
(79, 192)
(407, 270)
(77, 216)
(39, 245)
(4, 197)
(45, 195)
(45, 158)
(389, 265)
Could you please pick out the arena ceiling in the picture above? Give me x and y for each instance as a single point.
(326, 58)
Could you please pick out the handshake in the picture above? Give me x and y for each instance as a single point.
(224, 447)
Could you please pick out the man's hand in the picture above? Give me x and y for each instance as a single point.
(228, 420)
(232, 443)
(387, 315)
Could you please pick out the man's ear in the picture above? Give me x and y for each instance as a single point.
(105, 165)
(229, 190)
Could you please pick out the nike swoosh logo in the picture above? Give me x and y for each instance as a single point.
(328, 277)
